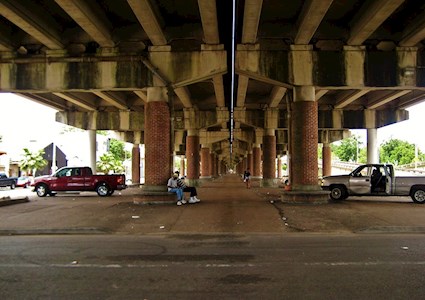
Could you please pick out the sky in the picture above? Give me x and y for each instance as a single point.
(25, 123)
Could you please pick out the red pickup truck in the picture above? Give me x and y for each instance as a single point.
(78, 179)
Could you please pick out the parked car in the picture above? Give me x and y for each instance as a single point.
(6, 181)
(23, 181)
(375, 180)
(78, 179)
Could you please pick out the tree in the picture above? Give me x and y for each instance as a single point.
(117, 149)
(108, 163)
(397, 152)
(32, 161)
(348, 150)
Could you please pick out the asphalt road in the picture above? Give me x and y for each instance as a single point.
(213, 266)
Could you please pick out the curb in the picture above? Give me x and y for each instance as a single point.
(54, 231)
(8, 201)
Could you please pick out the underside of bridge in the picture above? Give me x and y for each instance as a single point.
(338, 64)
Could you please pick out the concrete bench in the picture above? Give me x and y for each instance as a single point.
(154, 197)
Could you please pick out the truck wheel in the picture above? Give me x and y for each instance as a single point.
(418, 195)
(12, 186)
(338, 192)
(103, 190)
(111, 192)
(41, 190)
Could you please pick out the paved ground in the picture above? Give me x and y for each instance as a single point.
(226, 207)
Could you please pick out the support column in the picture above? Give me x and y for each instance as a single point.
(182, 165)
(372, 146)
(157, 140)
(193, 158)
(92, 150)
(135, 164)
(326, 160)
(256, 153)
(279, 167)
(212, 164)
(269, 158)
(250, 161)
(304, 140)
(205, 162)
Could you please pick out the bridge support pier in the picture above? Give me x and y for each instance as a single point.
(304, 141)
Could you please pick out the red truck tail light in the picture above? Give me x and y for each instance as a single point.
(121, 179)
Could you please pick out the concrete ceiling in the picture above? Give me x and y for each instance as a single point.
(31, 29)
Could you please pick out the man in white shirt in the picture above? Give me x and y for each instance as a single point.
(173, 187)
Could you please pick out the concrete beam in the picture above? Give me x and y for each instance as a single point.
(71, 73)
(348, 97)
(414, 98)
(219, 90)
(146, 16)
(79, 102)
(251, 19)
(142, 95)
(208, 11)
(210, 137)
(33, 24)
(95, 120)
(6, 43)
(375, 103)
(242, 89)
(414, 33)
(372, 15)
(309, 20)
(90, 20)
(184, 96)
(184, 68)
(52, 103)
(118, 103)
(276, 96)
(320, 93)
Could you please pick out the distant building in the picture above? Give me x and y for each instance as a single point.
(61, 160)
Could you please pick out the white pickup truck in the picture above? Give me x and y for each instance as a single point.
(374, 180)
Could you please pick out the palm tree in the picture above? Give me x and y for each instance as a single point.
(32, 161)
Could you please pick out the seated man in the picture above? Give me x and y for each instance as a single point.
(192, 190)
(375, 179)
(173, 187)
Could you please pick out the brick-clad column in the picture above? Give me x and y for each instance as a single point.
(250, 161)
(205, 162)
(157, 140)
(217, 166)
(326, 160)
(256, 168)
(135, 164)
(212, 164)
(192, 156)
(304, 140)
(269, 157)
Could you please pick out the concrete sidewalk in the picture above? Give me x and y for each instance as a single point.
(226, 207)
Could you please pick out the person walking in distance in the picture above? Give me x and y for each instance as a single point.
(192, 190)
(173, 187)
(246, 178)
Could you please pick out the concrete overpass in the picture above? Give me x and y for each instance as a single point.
(160, 73)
